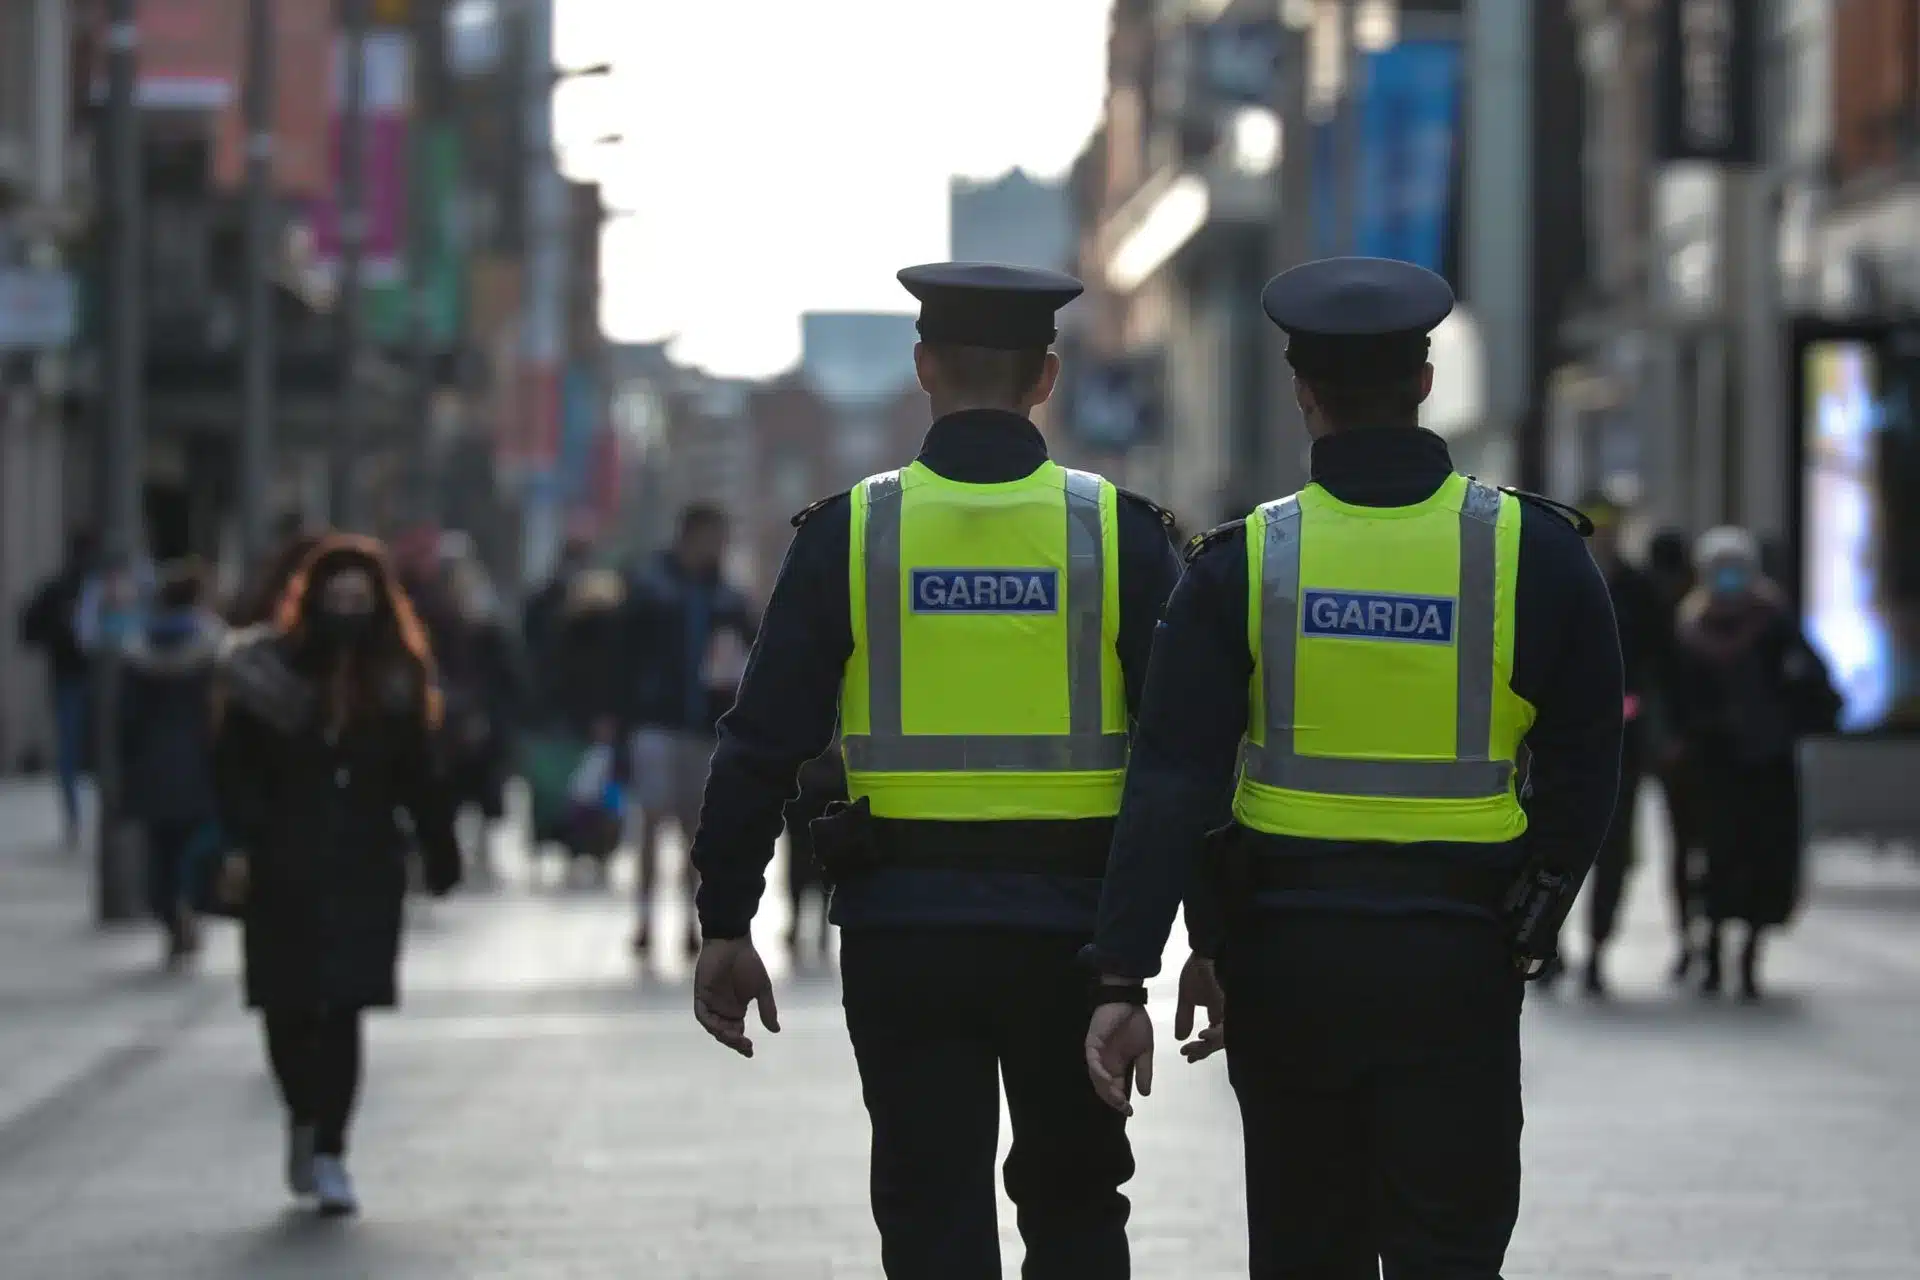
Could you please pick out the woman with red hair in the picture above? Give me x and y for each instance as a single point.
(325, 737)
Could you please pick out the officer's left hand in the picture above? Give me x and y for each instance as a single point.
(1119, 1051)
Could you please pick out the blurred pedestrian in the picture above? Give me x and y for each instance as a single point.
(589, 665)
(823, 783)
(1670, 570)
(690, 631)
(313, 769)
(166, 745)
(542, 616)
(1645, 636)
(1749, 685)
(480, 673)
(49, 625)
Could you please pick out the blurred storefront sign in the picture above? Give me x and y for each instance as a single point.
(1707, 81)
(39, 309)
(300, 139)
(1406, 102)
(389, 92)
(1408, 108)
(1113, 405)
(582, 423)
(190, 53)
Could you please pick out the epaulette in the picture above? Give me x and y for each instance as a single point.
(1201, 541)
(809, 513)
(1572, 515)
(1160, 513)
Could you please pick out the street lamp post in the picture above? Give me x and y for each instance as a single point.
(344, 452)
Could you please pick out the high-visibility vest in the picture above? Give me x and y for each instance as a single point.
(1381, 706)
(984, 682)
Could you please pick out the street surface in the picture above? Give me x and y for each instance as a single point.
(542, 1107)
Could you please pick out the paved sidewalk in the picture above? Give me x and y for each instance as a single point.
(545, 1108)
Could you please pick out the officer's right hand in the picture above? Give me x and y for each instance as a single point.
(727, 978)
(233, 883)
(1200, 988)
(1119, 1051)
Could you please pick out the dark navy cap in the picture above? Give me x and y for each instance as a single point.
(985, 304)
(1357, 319)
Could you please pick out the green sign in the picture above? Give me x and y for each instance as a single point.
(436, 179)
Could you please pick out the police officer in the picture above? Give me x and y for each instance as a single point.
(980, 620)
(1356, 670)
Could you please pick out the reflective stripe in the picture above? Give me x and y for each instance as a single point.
(1471, 775)
(883, 604)
(1479, 523)
(1086, 602)
(986, 753)
(1085, 749)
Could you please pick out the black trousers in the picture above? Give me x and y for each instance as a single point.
(316, 1062)
(1608, 882)
(938, 1020)
(1377, 1065)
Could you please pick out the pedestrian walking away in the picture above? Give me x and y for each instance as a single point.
(50, 625)
(1670, 570)
(981, 618)
(1646, 641)
(166, 744)
(325, 737)
(1377, 649)
(1749, 687)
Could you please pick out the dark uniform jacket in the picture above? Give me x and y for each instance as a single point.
(317, 819)
(789, 703)
(1183, 774)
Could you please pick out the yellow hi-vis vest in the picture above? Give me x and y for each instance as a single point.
(1383, 649)
(984, 682)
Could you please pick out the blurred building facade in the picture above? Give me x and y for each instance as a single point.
(43, 183)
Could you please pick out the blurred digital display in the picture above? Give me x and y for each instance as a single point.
(1857, 562)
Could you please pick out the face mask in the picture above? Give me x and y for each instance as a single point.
(335, 630)
(1729, 580)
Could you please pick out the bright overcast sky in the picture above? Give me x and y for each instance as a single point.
(791, 155)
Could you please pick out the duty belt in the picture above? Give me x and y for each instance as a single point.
(1382, 872)
(1053, 848)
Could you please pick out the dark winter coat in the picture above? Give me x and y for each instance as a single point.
(591, 660)
(486, 707)
(166, 722)
(1747, 687)
(672, 618)
(319, 822)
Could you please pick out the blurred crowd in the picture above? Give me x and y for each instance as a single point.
(601, 693)
(1721, 683)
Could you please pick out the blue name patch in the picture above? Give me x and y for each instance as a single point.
(1376, 615)
(986, 590)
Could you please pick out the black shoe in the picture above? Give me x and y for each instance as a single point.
(1595, 982)
(1714, 980)
(1682, 965)
(642, 941)
(693, 940)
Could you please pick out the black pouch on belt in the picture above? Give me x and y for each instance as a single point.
(844, 846)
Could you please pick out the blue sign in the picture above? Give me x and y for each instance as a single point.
(986, 591)
(1378, 615)
(1408, 105)
(580, 423)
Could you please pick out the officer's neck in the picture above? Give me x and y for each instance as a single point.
(1381, 466)
(947, 406)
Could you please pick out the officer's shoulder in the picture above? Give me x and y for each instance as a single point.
(1219, 536)
(1572, 517)
(1152, 508)
(807, 513)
